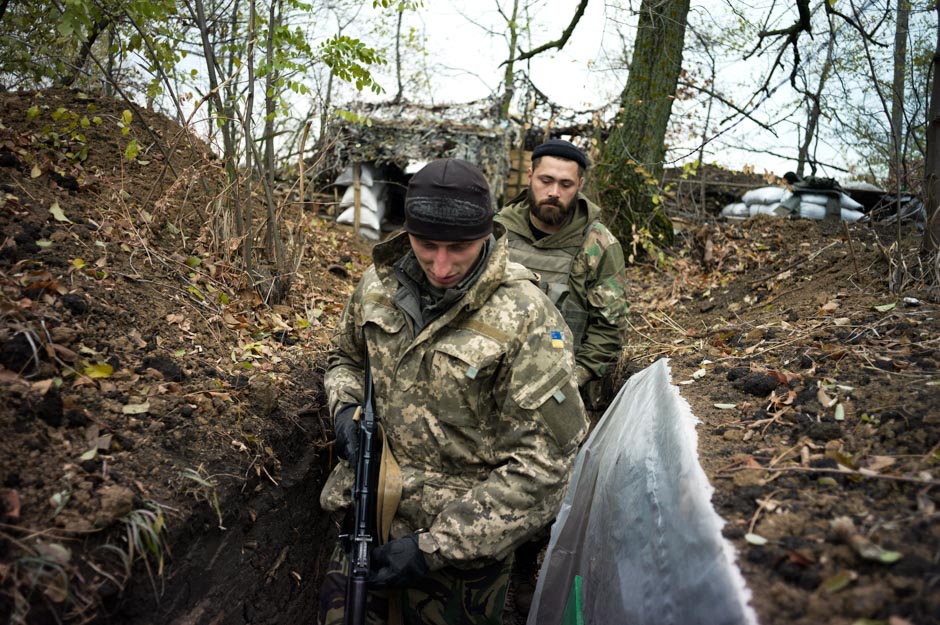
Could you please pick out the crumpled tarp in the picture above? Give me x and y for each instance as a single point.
(637, 523)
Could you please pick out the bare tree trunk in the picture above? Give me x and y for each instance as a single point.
(270, 104)
(931, 243)
(632, 159)
(215, 97)
(249, 140)
(101, 24)
(509, 73)
(897, 94)
(815, 110)
(706, 126)
(401, 89)
(274, 244)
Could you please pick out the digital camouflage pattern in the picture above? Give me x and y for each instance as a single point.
(481, 408)
(447, 596)
(582, 269)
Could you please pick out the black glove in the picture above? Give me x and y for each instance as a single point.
(347, 433)
(397, 564)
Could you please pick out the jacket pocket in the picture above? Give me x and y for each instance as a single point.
(462, 371)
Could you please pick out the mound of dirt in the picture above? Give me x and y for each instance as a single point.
(162, 434)
(819, 398)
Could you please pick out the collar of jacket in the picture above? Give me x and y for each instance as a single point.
(498, 271)
(515, 217)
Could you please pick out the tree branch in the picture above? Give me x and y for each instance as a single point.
(560, 43)
(713, 94)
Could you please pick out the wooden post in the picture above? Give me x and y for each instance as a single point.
(357, 204)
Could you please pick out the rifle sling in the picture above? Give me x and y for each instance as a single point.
(389, 491)
(388, 497)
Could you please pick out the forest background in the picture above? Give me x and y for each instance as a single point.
(166, 304)
(835, 89)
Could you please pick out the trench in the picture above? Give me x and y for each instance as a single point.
(265, 567)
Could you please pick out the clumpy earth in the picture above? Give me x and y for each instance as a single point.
(163, 437)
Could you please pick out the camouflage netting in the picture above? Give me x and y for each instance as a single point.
(402, 133)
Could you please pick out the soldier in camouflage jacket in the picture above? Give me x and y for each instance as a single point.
(473, 375)
(555, 231)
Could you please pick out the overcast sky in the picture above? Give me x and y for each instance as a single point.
(466, 66)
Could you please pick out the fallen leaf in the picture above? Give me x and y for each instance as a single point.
(726, 406)
(885, 307)
(136, 408)
(824, 399)
(837, 582)
(755, 539)
(58, 213)
(877, 463)
(873, 552)
(100, 370)
(11, 504)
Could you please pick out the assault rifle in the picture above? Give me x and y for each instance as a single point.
(364, 493)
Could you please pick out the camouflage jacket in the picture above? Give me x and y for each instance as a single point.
(481, 408)
(581, 268)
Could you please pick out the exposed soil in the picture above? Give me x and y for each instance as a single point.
(162, 435)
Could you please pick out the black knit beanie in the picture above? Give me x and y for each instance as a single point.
(448, 200)
(562, 148)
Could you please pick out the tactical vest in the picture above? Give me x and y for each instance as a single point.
(553, 266)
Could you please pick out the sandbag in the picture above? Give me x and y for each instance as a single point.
(815, 211)
(371, 213)
(776, 209)
(366, 176)
(737, 210)
(814, 198)
(766, 195)
(846, 201)
(637, 523)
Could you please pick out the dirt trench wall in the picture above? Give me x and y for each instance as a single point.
(265, 567)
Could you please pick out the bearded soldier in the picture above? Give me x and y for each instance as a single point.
(474, 384)
(555, 231)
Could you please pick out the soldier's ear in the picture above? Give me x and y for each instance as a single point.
(581, 183)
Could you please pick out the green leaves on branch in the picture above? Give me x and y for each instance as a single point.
(349, 59)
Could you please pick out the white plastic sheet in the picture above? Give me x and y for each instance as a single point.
(637, 522)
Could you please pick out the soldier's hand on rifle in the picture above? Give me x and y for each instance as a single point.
(347, 433)
(397, 564)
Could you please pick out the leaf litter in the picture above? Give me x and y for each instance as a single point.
(130, 337)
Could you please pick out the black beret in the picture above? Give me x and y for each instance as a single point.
(562, 149)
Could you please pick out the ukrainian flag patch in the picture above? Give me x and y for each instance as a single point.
(556, 340)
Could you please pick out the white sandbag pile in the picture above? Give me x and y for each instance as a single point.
(372, 201)
(782, 202)
(813, 206)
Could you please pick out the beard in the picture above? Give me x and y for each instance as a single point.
(550, 211)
